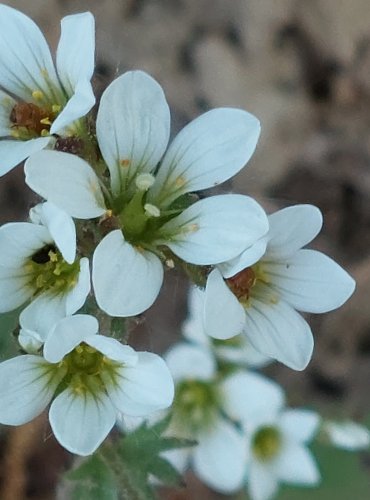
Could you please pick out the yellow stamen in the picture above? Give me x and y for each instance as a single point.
(38, 95)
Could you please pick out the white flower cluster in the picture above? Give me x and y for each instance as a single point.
(117, 207)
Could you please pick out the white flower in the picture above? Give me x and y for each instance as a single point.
(89, 378)
(348, 435)
(259, 292)
(38, 263)
(236, 350)
(37, 100)
(203, 401)
(277, 438)
(147, 206)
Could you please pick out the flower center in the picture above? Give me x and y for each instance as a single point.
(87, 369)
(266, 443)
(242, 283)
(30, 120)
(195, 404)
(48, 270)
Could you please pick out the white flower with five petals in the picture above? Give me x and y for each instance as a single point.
(90, 380)
(205, 408)
(39, 264)
(37, 100)
(143, 201)
(258, 293)
(277, 439)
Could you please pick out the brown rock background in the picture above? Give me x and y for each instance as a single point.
(304, 69)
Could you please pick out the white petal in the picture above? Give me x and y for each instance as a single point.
(79, 104)
(215, 229)
(126, 280)
(249, 396)
(81, 422)
(187, 361)
(296, 465)
(41, 315)
(291, 229)
(62, 229)
(21, 240)
(262, 484)
(246, 259)
(224, 316)
(348, 435)
(113, 349)
(208, 151)
(310, 281)
(300, 425)
(26, 64)
(30, 341)
(133, 127)
(75, 67)
(77, 295)
(143, 388)
(69, 333)
(178, 458)
(220, 457)
(242, 353)
(25, 389)
(53, 174)
(14, 289)
(278, 331)
(7, 104)
(193, 328)
(13, 152)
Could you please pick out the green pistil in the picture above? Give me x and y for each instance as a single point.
(196, 403)
(266, 443)
(49, 271)
(134, 218)
(84, 369)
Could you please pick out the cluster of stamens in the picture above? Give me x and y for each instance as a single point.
(49, 271)
(266, 443)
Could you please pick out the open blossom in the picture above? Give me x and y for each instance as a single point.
(204, 409)
(146, 206)
(39, 101)
(90, 379)
(38, 264)
(236, 350)
(277, 439)
(259, 293)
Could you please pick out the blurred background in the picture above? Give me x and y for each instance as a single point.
(303, 68)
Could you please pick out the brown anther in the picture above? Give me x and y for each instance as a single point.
(30, 116)
(242, 283)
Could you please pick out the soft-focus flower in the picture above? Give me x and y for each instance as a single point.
(204, 403)
(89, 378)
(348, 435)
(38, 263)
(259, 292)
(39, 100)
(277, 438)
(148, 208)
(236, 350)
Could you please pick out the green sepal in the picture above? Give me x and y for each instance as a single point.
(93, 480)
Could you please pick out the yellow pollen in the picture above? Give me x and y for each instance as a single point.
(15, 134)
(109, 213)
(44, 132)
(38, 95)
(79, 349)
(170, 263)
(56, 108)
(46, 121)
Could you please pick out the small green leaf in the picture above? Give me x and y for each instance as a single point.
(8, 324)
(94, 481)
